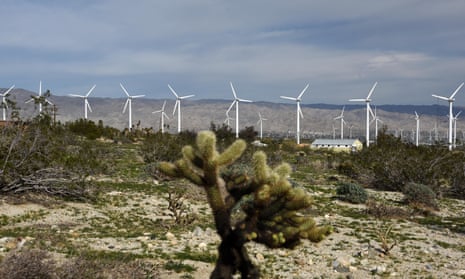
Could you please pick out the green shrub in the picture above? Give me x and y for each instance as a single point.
(351, 192)
(419, 195)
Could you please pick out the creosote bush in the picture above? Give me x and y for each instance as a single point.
(274, 210)
(351, 192)
(419, 195)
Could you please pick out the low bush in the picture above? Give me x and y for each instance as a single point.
(419, 195)
(351, 192)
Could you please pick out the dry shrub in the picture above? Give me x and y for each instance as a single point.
(385, 211)
(81, 268)
(28, 264)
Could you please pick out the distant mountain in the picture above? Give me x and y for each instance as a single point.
(199, 114)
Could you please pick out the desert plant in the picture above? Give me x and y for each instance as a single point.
(420, 195)
(351, 192)
(386, 240)
(274, 210)
(27, 264)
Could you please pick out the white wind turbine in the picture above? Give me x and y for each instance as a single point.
(162, 116)
(376, 120)
(128, 104)
(451, 116)
(4, 102)
(236, 102)
(341, 116)
(299, 110)
(177, 105)
(37, 98)
(367, 100)
(455, 128)
(86, 102)
(260, 121)
(417, 138)
(227, 120)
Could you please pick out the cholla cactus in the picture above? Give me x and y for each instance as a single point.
(274, 208)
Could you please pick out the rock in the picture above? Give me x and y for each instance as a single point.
(260, 257)
(342, 264)
(170, 236)
(461, 272)
(378, 269)
(203, 246)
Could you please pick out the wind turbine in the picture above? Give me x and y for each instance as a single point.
(236, 102)
(341, 116)
(86, 102)
(376, 120)
(162, 116)
(177, 105)
(299, 110)
(451, 116)
(38, 98)
(455, 128)
(227, 120)
(129, 104)
(417, 138)
(367, 100)
(260, 121)
(4, 102)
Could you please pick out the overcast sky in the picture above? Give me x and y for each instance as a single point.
(266, 48)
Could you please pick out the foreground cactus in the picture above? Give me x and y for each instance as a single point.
(274, 208)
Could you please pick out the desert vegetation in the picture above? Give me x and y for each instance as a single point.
(82, 200)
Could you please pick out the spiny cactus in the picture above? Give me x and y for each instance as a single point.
(274, 208)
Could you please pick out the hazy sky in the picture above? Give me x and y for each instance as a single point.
(266, 48)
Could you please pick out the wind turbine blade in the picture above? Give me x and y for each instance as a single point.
(30, 100)
(172, 91)
(233, 91)
(50, 103)
(300, 110)
(88, 106)
(342, 112)
(338, 117)
(303, 91)
(457, 115)
(230, 107)
(176, 105)
(288, 98)
(416, 115)
(357, 100)
(165, 115)
(185, 97)
(90, 91)
(125, 105)
(244, 100)
(456, 90)
(371, 112)
(125, 91)
(75, 95)
(372, 90)
(138, 96)
(8, 91)
(163, 107)
(440, 97)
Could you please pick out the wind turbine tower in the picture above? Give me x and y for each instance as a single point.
(367, 100)
(260, 121)
(162, 116)
(417, 138)
(451, 100)
(376, 120)
(299, 111)
(236, 102)
(341, 116)
(128, 104)
(4, 102)
(177, 105)
(86, 102)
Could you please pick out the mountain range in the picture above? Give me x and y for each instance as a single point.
(318, 119)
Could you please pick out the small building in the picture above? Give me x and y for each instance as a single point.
(346, 145)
